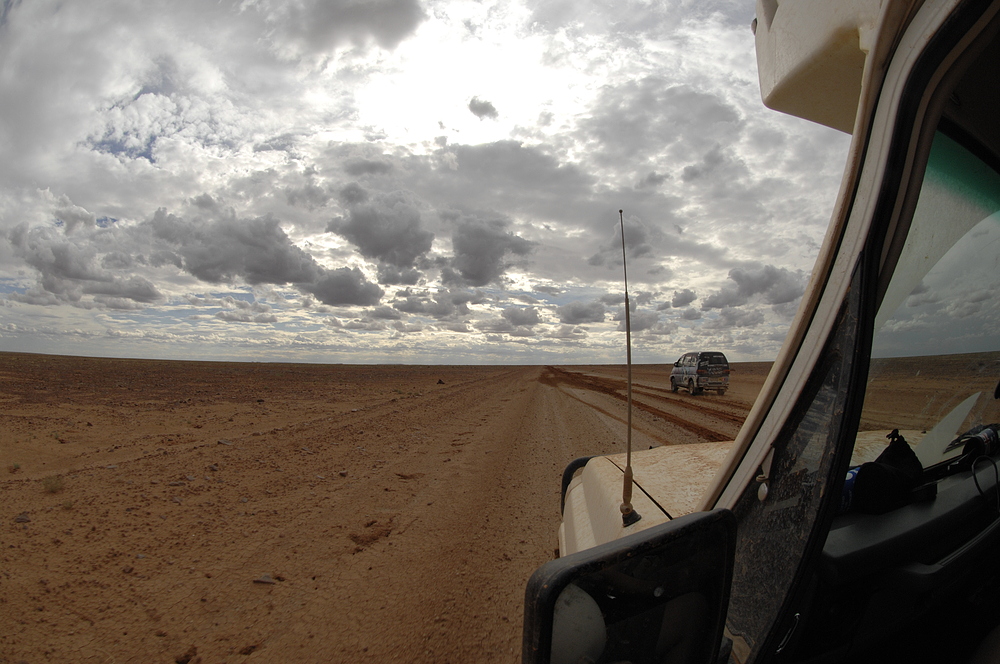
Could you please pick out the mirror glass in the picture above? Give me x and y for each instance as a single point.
(657, 596)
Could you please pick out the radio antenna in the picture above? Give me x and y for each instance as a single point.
(629, 515)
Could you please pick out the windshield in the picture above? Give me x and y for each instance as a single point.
(714, 359)
(933, 370)
(936, 349)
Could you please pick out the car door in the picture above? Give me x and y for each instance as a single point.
(921, 219)
(926, 121)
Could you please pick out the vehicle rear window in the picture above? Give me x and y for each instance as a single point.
(717, 358)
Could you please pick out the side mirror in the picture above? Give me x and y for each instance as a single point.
(677, 363)
(658, 595)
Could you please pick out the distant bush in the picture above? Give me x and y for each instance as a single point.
(13, 468)
(53, 484)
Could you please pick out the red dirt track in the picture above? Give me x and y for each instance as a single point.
(220, 512)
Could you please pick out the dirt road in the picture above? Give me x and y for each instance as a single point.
(171, 512)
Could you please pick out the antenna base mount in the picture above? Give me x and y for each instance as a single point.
(629, 516)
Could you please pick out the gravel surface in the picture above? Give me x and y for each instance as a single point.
(217, 512)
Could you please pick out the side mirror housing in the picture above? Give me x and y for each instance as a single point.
(661, 592)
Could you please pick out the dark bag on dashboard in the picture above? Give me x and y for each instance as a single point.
(885, 483)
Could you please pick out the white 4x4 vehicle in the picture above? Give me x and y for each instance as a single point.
(743, 550)
(697, 372)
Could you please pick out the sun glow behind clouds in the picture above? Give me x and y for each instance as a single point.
(304, 159)
(465, 50)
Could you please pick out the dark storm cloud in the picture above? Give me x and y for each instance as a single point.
(653, 179)
(654, 116)
(642, 298)
(483, 109)
(682, 298)
(515, 321)
(36, 295)
(353, 193)
(485, 175)
(504, 326)
(774, 285)
(344, 287)
(117, 303)
(464, 297)
(637, 245)
(315, 26)
(69, 269)
(442, 305)
(73, 215)
(133, 287)
(576, 313)
(691, 314)
(310, 196)
(463, 182)
(734, 317)
(640, 320)
(390, 275)
(480, 248)
(411, 304)
(387, 228)
(612, 299)
(710, 165)
(521, 315)
(53, 256)
(568, 332)
(231, 104)
(406, 328)
(117, 260)
(229, 250)
(255, 250)
(359, 167)
(385, 313)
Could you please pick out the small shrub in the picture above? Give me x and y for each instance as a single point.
(67, 504)
(13, 468)
(53, 484)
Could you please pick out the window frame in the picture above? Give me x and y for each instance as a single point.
(882, 204)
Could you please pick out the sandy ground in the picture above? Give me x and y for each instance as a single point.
(215, 512)
(184, 512)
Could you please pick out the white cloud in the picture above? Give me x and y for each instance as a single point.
(448, 172)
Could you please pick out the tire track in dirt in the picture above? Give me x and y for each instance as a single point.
(399, 527)
(662, 394)
(396, 512)
(730, 410)
(615, 388)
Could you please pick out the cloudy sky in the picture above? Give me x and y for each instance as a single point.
(399, 181)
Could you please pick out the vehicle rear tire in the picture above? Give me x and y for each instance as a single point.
(721, 392)
(673, 384)
(692, 389)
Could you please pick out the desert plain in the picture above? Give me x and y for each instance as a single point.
(155, 511)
